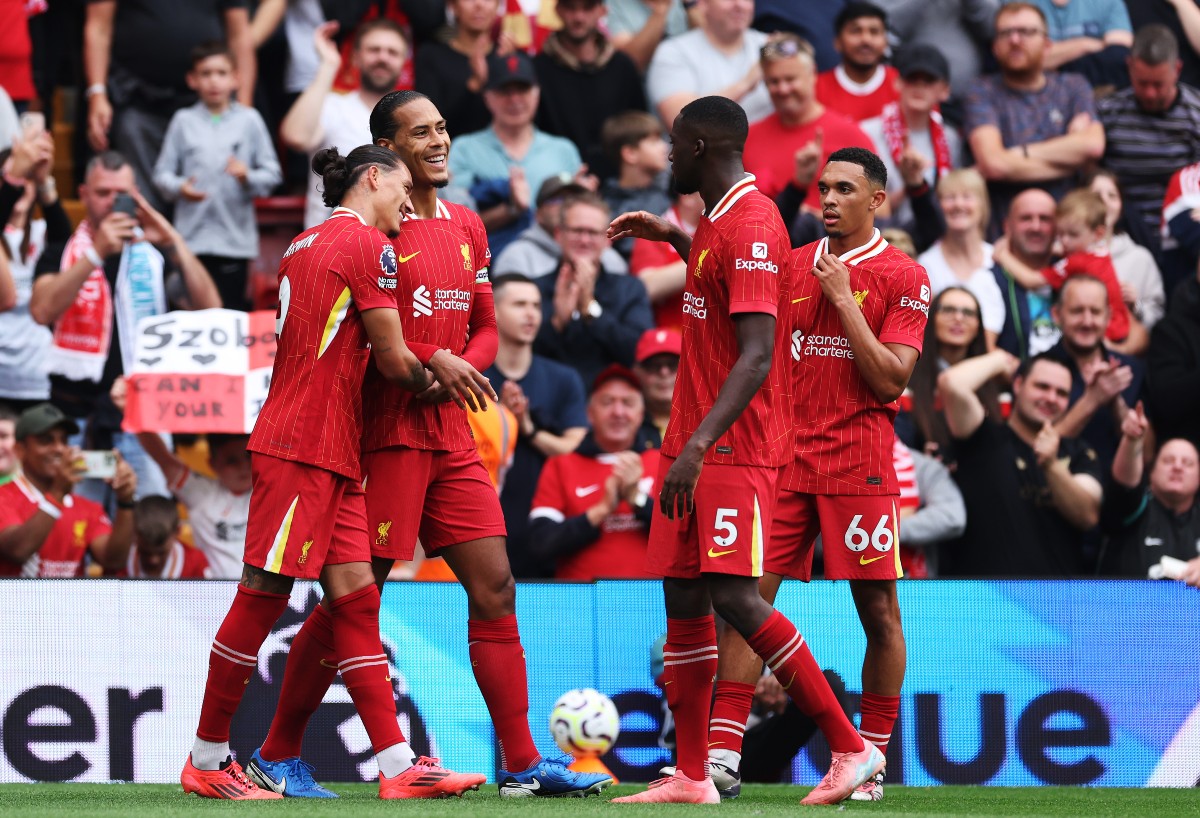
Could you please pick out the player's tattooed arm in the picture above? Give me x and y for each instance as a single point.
(392, 355)
(258, 579)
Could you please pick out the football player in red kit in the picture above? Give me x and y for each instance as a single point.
(424, 475)
(860, 308)
(729, 435)
(307, 510)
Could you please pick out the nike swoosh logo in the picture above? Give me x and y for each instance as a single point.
(532, 786)
(584, 491)
(714, 554)
(798, 300)
(791, 681)
(403, 259)
(864, 561)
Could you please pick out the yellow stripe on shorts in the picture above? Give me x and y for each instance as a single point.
(756, 542)
(275, 555)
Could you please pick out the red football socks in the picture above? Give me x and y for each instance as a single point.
(730, 711)
(783, 649)
(689, 665)
(234, 658)
(498, 661)
(311, 668)
(879, 714)
(364, 665)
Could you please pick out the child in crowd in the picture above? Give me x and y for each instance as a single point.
(1082, 234)
(633, 141)
(216, 158)
(217, 509)
(157, 552)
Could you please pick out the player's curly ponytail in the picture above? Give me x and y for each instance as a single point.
(341, 173)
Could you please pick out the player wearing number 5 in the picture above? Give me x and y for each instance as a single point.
(729, 434)
(860, 311)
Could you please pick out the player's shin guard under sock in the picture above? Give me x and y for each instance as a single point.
(689, 664)
(498, 662)
(783, 649)
(730, 711)
(879, 714)
(311, 668)
(234, 659)
(364, 665)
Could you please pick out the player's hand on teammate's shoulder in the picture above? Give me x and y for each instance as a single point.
(466, 386)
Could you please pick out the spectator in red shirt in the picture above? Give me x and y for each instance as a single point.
(785, 150)
(45, 531)
(157, 552)
(861, 85)
(1082, 233)
(591, 512)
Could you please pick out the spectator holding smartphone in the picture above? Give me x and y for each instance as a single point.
(216, 157)
(111, 274)
(45, 529)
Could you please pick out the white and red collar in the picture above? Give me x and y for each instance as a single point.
(172, 569)
(860, 89)
(345, 211)
(34, 495)
(874, 246)
(442, 212)
(731, 197)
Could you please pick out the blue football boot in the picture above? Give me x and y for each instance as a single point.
(291, 777)
(550, 777)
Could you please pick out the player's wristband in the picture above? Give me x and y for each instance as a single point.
(47, 507)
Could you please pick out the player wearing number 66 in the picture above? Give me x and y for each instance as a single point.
(860, 308)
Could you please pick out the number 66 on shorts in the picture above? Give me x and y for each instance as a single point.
(859, 533)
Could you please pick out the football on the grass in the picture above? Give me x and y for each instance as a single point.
(585, 721)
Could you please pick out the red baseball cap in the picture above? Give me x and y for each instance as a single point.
(616, 372)
(657, 342)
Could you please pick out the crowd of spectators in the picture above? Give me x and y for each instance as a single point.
(1043, 165)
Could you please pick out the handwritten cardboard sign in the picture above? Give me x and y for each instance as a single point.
(201, 371)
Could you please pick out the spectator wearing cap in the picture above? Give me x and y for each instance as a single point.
(916, 145)
(634, 144)
(590, 319)
(548, 400)
(719, 58)
(503, 163)
(1151, 129)
(45, 530)
(861, 84)
(585, 80)
(533, 253)
(591, 512)
(1029, 127)
(787, 148)
(656, 363)
(659, 267)
(157, 552)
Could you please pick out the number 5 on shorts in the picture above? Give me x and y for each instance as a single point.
(857, 538)
(722, 523)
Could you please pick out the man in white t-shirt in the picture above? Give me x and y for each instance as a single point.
(321, 119)
(217, 509)
(719, 58)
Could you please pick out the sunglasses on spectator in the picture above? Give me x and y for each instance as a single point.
(658, 363)
(782, 49)
(1021, 32)
(962, 312)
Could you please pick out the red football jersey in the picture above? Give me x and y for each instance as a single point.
(837, 91)
(572, 483)
(66, 546)
(740, 263)
(844, 432)
(329, 275)
(1100, 266)
(443, 269)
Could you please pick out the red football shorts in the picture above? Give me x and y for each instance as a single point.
(726, 532)
(303, 518)
(445, 498)
(859, 535)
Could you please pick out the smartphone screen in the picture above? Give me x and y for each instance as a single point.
(124, 203)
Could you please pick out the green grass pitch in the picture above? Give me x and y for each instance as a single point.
(765, 801)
